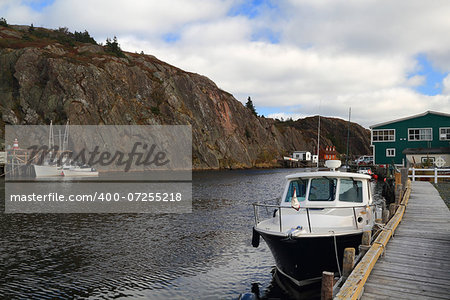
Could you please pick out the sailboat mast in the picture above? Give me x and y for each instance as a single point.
(66, 137)
(348, 134)
(50, 136)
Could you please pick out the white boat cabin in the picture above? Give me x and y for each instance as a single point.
(324, 202)
(328, 189)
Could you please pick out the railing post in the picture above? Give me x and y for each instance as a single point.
(413, 174)
(435, 175)
(281, 228)
(309, 221)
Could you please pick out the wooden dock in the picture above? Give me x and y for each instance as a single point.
(416, 263)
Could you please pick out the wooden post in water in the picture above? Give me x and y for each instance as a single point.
(392, 208)
(365, 242)
(366, 238)
(398, 193)
(404, 174)
(326, 292)
(385, 216)
(398, 178)
(348, 262)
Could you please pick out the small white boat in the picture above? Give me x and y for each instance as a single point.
(49, 168)
(290, 158)
(320, 214)
(47, 171)
(79, 171)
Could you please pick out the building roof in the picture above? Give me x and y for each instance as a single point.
(411, 117)
(441, 150)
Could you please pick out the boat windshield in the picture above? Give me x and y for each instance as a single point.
(322, 189)
(350, 191)
(300, 190)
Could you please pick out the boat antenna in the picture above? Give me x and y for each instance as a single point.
(318, 137)
(348, 134)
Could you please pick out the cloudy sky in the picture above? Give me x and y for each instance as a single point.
(295, 58)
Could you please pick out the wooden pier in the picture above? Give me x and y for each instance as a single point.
(415, 263)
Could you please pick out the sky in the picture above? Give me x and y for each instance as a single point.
(295, 58)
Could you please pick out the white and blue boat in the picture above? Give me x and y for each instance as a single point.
(320, 214)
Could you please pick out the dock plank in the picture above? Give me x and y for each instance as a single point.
(417, 258)
(419, 278)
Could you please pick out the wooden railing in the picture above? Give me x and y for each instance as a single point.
(429, 173)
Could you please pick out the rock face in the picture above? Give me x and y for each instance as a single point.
(43, 80)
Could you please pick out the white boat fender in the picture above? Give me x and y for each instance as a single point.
(255, 238)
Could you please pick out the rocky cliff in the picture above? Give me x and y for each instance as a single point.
(45, 76)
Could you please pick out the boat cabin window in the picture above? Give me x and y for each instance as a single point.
(322, 189)
(300, 190)
(350, 191)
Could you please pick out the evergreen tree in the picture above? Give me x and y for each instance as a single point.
(3, 22)
(250, 106)
(84, 37)
(113, 47)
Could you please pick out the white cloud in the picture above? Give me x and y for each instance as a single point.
(286, 116)
(416, 80)
(338, 53)
(446, 85)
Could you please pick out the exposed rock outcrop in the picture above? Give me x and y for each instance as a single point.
(43, 80)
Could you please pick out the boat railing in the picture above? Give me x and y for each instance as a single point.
(279, 208)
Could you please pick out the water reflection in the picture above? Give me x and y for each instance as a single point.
(203, 255)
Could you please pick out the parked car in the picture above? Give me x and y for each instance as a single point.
(365, 170)
(364, 160)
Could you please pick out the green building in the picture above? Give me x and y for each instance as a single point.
(419, 139)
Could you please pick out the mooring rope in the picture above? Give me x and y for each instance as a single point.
(336, 253)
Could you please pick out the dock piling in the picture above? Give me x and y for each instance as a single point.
(398, 193)
(385, 218)
(348, 262)
(392, 208)
(366, 238)
(365, 243)
(326, 292)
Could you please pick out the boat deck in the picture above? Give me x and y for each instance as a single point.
(416, 263)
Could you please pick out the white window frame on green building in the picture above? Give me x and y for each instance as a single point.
(390, 152)
(444, 133)
(387, 135)
(420, 135)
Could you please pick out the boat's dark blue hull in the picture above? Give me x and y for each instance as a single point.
(306, 257)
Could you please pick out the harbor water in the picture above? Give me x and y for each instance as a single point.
(206, 254)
